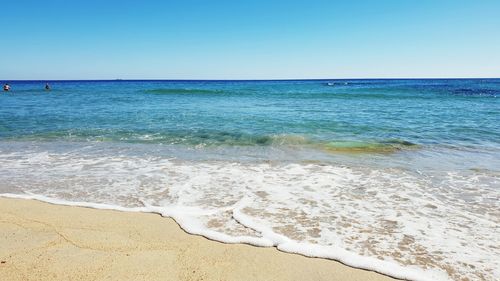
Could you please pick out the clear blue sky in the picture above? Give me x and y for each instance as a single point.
(188, 39)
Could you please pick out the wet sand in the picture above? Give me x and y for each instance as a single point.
(41, 241)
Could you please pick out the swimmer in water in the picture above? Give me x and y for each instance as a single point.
(6, 87)
(47, 87)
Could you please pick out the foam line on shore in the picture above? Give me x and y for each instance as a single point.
(268, 239)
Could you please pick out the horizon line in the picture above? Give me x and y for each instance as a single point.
(247, 80)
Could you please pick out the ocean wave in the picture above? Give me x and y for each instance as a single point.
(476, 92)
(207, 138)
(386, 146)
(196, 138)
(168, 91)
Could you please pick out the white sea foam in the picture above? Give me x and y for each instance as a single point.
(410, 225)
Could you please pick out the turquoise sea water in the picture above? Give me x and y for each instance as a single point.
(364, 171)
(385, 113)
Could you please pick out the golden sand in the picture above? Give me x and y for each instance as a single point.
(40, 241)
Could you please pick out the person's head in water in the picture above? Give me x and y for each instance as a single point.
(47, 87)
(6, 87)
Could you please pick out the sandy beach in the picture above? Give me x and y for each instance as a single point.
(41, 241)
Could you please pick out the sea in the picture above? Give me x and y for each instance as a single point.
(397, 176)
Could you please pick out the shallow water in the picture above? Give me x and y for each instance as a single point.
(398, 176)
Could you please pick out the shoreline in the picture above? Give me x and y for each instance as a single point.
(43, 241)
